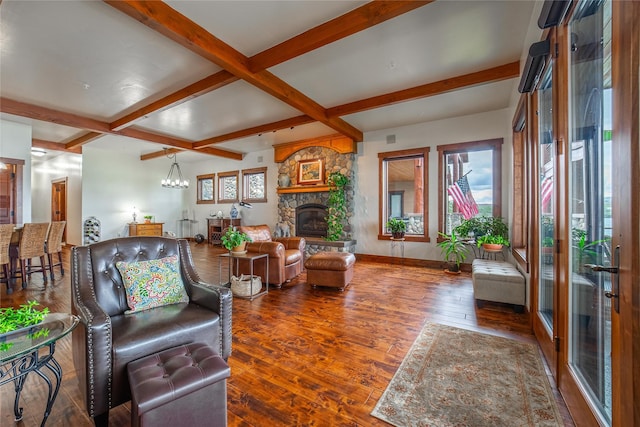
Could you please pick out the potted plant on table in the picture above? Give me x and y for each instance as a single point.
(14, 319)
(147, 219)
(492, 243)
(235, 240)
(397, 227)
(454, 250)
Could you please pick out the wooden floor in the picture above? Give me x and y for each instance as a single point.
(301, 357)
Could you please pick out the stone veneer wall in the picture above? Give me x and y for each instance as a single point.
(333, 161)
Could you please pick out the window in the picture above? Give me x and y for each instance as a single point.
(404, 192)
(228, 187)
(205, 188)
(476, 168)
(254, 185)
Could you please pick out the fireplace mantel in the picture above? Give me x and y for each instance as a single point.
(303, 189)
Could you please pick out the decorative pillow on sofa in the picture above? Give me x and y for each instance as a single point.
(152, 283)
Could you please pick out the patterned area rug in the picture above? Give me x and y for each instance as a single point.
(454, 377)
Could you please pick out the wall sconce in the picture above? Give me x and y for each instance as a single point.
(245, 205)
(552, 13)
(534, 66)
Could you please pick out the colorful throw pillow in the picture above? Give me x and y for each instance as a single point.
(152, 283)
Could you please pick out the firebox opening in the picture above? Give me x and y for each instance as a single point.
(310, 220)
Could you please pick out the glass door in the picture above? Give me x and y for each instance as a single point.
(590, 193)
(546, 313)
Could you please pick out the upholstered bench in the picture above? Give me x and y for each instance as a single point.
(498, 281)
(332, 269)
(184, 385)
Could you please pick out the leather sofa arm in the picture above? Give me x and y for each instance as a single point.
(96, 329)
(274, 249)
(219, 300)
(292, 242)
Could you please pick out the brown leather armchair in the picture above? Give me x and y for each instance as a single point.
(286, 254)
(107, 339)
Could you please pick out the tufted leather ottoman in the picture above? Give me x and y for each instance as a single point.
(184, 385)
(333, 269)
(498, 281)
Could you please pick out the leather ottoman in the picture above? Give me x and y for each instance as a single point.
(332, 269)
(183, 385)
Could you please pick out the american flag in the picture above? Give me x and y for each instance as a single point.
(546, 191)
(463, 199)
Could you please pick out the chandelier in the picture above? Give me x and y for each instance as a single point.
(174, 179)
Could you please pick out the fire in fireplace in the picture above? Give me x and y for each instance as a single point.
(310, 220)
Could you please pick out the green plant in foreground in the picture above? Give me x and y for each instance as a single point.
(12, 318)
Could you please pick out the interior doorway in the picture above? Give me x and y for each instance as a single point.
(59, 202)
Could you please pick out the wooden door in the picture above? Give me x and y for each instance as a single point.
(7, 195)
(59, 202)
(11, 191)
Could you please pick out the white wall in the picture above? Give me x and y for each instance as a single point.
(494, 124)
(63, 165)
(260, 213)
(114, 181)
(15, 143)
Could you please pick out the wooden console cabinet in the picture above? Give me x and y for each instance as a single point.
(217, 225)
(150, 229)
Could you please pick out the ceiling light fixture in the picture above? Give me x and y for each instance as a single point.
(174, 179)
(38, 152)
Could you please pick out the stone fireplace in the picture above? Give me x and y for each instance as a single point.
(303, 208)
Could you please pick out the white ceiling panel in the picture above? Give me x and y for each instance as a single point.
(474, 100)
(441, 40)
(87, 58)
(253, 26)
(233, 107)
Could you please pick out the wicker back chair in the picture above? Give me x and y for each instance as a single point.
(32, 246)
(5, 239)
(53, 246)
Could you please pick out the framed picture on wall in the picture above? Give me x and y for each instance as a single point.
(310, 172)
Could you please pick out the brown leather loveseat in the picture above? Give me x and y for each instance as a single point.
(107, 339)
(286, 254)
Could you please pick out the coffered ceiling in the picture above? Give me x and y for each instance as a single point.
(229, 77)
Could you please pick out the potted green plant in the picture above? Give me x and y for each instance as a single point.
(336, 205)
(234, 240)
(396, 227)
(454, 250)
(491, 242)
(584, 251)
(148, 218)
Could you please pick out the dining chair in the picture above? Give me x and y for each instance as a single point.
(53, 245)
(32, 246)
(6, 230)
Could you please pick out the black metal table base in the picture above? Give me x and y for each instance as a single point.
(18, 370)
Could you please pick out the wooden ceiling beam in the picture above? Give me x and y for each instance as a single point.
(81, 140)
(162, 153)
(268, 127)
(54, 146)
(49, 115)
(495, 74)
(206, 85)
(366, 16)
(167, 21)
